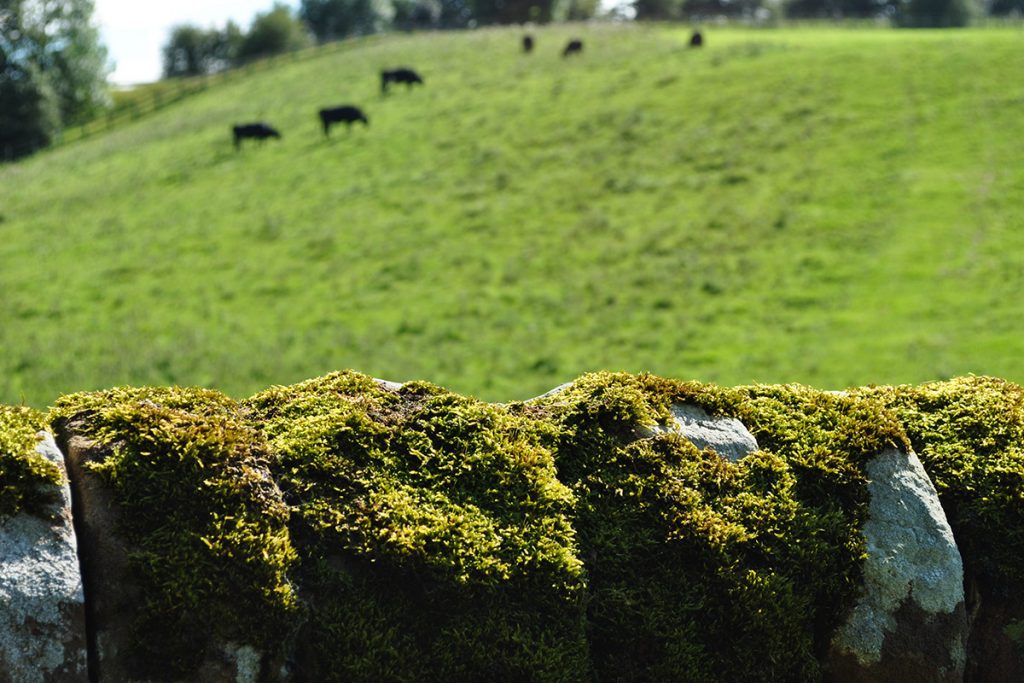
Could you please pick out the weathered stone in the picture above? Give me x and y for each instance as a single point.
(727, 436)
(724, 435)
(996, 646)
(42, 614)
(552, 392)
(909, 623)
(114, 595)
(388, 384)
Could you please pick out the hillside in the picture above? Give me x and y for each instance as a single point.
(827, 206)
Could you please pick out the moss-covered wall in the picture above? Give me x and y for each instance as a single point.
(702, 569)
(969, 434)
(432, 530)
(204, 523)
(410, 533)
(28, 481)
(375, 532)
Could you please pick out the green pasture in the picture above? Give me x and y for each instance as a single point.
(821, 205)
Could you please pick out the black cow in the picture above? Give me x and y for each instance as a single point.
(346, 114)
(696, 40)
(407, 76)
(527, 43)
(255, 131)
(575, 46)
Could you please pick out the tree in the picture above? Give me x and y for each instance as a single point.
(273, 32)
(934, 13)
(413, 14)
(53, 69)
(188, 52)
(335, 19)
(60, 40)
(455, 14)
(728, 8)
(29, 116)
(1002, 7)
(657, 9)
(839, 9)
(512, 11)
(193, 51)
(575, 10)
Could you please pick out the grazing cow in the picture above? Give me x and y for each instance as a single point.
(575, 46)
(407, 76)
(527, 43)
(696, 40)
(346, 114)
(255, 131)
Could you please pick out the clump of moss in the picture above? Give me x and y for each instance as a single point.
(28, 481)
(205, 525)
(432, 532)
(969, 434)
(430, 536)
(701, 569)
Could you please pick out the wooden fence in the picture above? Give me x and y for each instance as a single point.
(156, 96)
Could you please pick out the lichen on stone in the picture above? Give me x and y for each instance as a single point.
(28, 481)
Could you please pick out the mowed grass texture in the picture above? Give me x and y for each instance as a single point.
(828, 206)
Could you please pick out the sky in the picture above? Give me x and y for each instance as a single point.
(134, 32)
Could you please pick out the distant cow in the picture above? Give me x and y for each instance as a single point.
(696, 40)
(575, 46)
(527, 43)
(255, 131)
(407, 76)
(346, 114)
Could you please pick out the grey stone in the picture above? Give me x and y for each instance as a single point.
(42, 606)
(909, 623)
(388, 384)
(724, 435)
(547, 394)
(727, 436)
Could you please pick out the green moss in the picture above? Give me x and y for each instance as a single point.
(204, 523)
(969, 434)
(431, 536)
(1015, 632)
(432, 530)
(28, 481)
(701, 569)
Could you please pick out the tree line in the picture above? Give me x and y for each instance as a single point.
(53, 71)
(192, 50)
(53, 67)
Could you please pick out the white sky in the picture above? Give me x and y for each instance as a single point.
(134, 32)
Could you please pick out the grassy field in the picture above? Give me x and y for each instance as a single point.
(819, 205)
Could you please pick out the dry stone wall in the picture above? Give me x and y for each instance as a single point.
(42, 606)
(616, 527)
